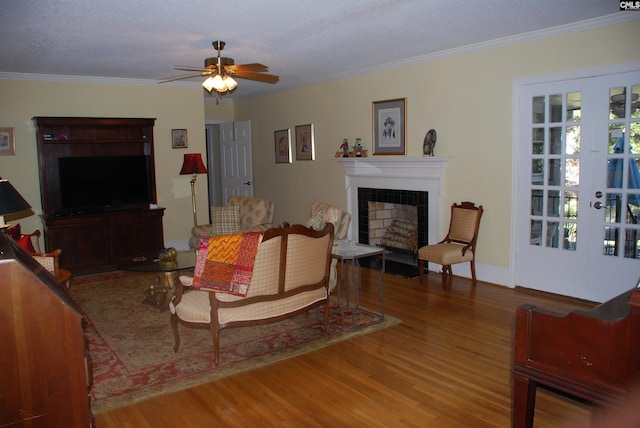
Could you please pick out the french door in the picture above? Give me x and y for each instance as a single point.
(578, 198)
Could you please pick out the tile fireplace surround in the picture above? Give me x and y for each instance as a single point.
(423, 174)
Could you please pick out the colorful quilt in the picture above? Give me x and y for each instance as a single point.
(225, 263)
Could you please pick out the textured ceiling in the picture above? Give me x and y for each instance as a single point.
(303, 41)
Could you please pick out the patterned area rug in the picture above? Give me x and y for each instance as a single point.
(131, 343)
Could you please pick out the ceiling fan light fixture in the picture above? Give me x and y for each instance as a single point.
(218, 84)
(230, 83)
(208, 84)
(220, 72)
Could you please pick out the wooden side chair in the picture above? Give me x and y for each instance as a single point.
(458, 246)
(50, 261)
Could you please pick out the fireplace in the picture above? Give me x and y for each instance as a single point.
(397, 207)
(416, 180)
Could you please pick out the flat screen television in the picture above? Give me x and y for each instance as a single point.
(104, 183)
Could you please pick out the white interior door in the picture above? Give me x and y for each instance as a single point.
(236, 169)
(577, 231)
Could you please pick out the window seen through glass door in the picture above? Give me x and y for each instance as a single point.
(555, 170)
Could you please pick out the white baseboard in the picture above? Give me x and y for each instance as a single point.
(487, 273)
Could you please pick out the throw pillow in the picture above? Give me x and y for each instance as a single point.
(15, 232)
(225, 220)
(25, 243)
(316, 222)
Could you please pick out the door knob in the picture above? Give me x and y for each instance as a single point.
(248, 183)
(597, 205)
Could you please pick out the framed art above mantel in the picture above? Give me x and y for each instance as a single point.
(389, 127)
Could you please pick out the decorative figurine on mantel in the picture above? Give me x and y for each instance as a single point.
(429, 144)
(357, 147)
(345, 148)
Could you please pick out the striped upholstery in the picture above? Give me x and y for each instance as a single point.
(306, 276)
(463, 225)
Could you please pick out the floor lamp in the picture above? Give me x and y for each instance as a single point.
(193, 165)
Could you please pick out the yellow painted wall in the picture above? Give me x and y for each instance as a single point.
(466, 98)
(172, 107)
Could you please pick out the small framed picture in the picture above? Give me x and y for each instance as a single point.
(389, 127)
(179, 139)
(304, 143)
(282, 141)
(7, 142)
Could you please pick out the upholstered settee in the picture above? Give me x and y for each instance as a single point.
(242, 214)
(290, 276)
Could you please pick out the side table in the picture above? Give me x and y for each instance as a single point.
(350, 255)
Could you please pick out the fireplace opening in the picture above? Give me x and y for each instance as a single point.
(394, 227)
(394, 219)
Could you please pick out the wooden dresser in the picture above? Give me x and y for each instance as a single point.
(44, 362)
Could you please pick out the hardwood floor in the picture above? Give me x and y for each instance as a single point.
(446, 365)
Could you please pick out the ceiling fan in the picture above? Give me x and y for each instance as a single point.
(220, 72)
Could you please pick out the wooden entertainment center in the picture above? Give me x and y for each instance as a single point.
(97, 239)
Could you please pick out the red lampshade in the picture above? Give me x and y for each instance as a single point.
(193, 164)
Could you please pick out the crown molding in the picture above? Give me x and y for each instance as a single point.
(87, 79)
(589, 24)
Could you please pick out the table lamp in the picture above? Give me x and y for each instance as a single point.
(10, 202)
(193, 165)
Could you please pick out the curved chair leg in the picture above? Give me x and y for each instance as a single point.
(473, 270)
(176, 336)
(420, 269)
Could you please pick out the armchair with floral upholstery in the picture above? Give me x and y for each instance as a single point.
(242, 214)
(323, 213)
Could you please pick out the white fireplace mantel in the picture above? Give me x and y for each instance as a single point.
(399, 173)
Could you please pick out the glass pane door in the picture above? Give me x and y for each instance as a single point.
(578, 200)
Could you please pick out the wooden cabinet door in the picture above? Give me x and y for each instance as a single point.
(136, 235)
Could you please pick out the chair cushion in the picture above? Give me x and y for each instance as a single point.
(445, 254)
(225, 220)
(316, 222)
(194, 307)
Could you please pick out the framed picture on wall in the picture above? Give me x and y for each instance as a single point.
(282, 141)
(179, 139)
(389, 127)
(7, 142)
(304, 143)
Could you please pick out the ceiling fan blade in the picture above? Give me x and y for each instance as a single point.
(248, 67)
(266, 78)
(188, 68)
(184, 76)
